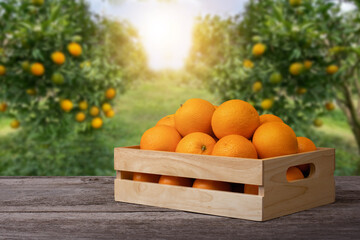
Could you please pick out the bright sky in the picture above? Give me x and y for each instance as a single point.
(165, 27)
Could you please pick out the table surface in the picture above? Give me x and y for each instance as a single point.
(84, 208)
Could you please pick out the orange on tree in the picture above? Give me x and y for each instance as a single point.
(329, 106)
(196, 143)
(235, 117)
(275, 78)
(168, 120)
(58, 57)
(96, 122)
(194, 116)
(145, 177)
(94, 111)
(267, 103)
(251, 189)
(257, 86)
(37, 69)
(274, 139)
(110, 93)
(160, 138)
(295, 3)
(296, 68)
(25, 65)
(3, 107)
(15, 124)
(74, 49)
(66, 105)
(37, 2)
(234, 146)
(83, 105)
(80, 117)
(2, 70)
(258, 49)
(110, 113)
(211, 185)
(332, 69)
(269, 118)
(301, 90)
(177, 181)
(305, 145)
(106, 107)
(294, 173)
(31, 91)
(308, 64)
(248, 63)
(317, 122)
(57, 78)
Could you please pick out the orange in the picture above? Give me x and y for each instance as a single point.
(83, 105)
(257, 86)
(37, 69)
(194, 116)
(178, 181)
(305, 145)
(31, 91)
(296, 68)
(196, 143)
(169, 120)
(110, 93)
(251, 189)
(258, 49)
(269, 118)
(110, 113)
(80, 117)
(235, 146)
(317, 122)
(146, 177)
(66, 105)
(74, 49)
(94, 111)
(161, 138)
(3, 107)
(275, 139)
(329, 106)
(332, 69)
(267, 104)
(106, 107)
(301, 90)
(308, 64)
(58, 58)
(15, 124)
(295, 3)
(211, 185)
(235, 117)
(248, 63)
(294, 173)
(96, 123)
(2, 70)
(276, 78)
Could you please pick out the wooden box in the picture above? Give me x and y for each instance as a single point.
(277, 196)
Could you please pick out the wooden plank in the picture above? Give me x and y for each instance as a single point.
(282, 197)
(190, 199)
(236, 170)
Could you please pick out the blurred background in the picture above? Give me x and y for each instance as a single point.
(78, 78)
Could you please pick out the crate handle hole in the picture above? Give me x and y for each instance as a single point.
(299, 172)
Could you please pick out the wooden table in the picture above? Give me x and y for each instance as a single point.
(84, 207)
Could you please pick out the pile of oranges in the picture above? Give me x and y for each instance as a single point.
(233, 129)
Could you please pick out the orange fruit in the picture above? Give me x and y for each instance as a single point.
(15, 124)
(160, 138)
(235, 117)
(258, 49)
(80, 117)
(58, 58)
(2, 70)
(295, 3)
(37, 69)
(235, 146)
(332, 69)
(329, 106)
(308, 64)
(317, 122)
(66, 105)
(94, 111)
(74, 49)
(296, 68)
(178, 181)
(305, 145)
(196, 143)
(257, 86)
(248, 63)
(267, 104)
(194, 116)
(169, 120)
(3, 107)
(31, 91)
(301, 90)
(96, 123)
(251, 189)
(110, 113)
(294, 173)
(83, 105)
(275, 139)
(211, 185)
(145, 177)
(110, 93)
(106, 107)
(269, 118)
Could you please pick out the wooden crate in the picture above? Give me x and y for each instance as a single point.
(277, 196)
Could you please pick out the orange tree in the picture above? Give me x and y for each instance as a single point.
(61, 66)
(293, 58)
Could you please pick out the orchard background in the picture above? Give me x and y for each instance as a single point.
(74, 84)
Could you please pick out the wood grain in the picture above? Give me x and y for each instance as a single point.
(228, 169)
(84, 208)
